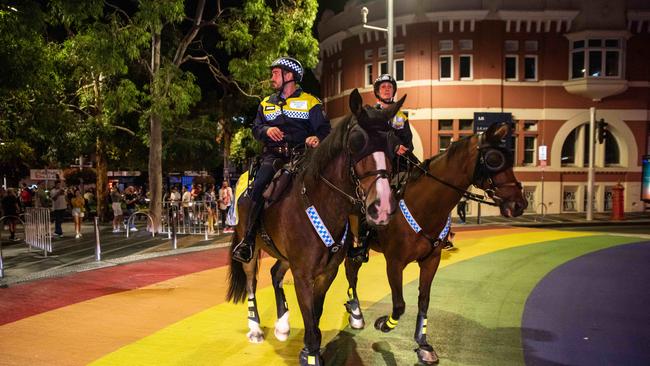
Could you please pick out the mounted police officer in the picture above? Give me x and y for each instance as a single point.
(385, 88)
(286, 119)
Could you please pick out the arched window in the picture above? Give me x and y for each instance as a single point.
(569, 148)
(575, 149)
(612, 152)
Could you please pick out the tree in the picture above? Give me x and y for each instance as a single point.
(253, 34)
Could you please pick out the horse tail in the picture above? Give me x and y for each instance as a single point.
(236, 277)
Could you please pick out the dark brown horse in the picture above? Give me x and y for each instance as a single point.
(431, 192)
(347, 172)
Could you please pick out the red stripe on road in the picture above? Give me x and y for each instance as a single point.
(25, 300)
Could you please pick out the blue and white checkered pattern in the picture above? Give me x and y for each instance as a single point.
(289, 63)
(271, 116)
(409, 218)
(320, 228)
(445, 230)
(296, 114)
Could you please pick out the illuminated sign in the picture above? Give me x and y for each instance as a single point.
(645, 179)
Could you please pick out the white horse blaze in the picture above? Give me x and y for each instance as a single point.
(383, 189)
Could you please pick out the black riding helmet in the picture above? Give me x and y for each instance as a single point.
(385, 78)
(289, 64)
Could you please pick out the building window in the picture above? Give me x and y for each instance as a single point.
(569, 148)
(446, 72)
(569, 199)
(530, 145)
(383, 67)
(398, 70)
(529, 195)
(466, 72)
(466, 45)
(530, 125)
(367, 55)
(511, 67)
(443, 142)
(612, 152)
(531, 46)
(607, 199)
(596, 58)
(398, 49)
(445, 124)
(446, 45)
(382, 52)
(511, 46)
(369, 74)
(466, 124)
(530, 68)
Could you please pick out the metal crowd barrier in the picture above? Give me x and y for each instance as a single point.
(38, 229)
(192, 218)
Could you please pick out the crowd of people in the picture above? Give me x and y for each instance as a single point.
(202, 205)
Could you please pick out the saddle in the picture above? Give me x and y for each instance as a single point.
(282, 179)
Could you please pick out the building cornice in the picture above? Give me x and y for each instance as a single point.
(537, 21)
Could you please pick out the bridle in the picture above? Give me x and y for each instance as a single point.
(491, 161)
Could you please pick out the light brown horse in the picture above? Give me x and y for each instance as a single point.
(431, 192)
(348, 171)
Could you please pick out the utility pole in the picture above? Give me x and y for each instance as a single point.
(590, 178)
(389, 32)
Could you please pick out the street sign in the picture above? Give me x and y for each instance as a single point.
(542, 155)
(45, 174)
(483, 121)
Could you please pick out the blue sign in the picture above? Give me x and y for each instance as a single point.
(483, 121)
(645, 179)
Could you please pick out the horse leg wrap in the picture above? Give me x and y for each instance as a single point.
(385, 323)
(421, 330)
(356, 316)
(280, 302)
(253, 315)
(310, 358)
(425, 352)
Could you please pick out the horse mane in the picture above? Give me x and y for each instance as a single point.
(451, 152)
(316, 160)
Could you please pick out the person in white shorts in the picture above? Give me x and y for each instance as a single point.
(78, 206)
(116, 199)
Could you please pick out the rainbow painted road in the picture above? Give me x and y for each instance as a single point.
(508, 296)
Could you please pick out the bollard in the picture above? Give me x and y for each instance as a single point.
(206, 231)
(2, 265)
(173, 229)
(98, 247)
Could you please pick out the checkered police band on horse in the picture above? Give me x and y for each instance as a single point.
(306, 227)
(415, 233)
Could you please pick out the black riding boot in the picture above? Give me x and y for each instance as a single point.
(243, 252)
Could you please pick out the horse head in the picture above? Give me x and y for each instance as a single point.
(494, 174)
(369, 146)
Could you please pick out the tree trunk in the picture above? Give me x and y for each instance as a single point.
(155, 143)
(102, 180)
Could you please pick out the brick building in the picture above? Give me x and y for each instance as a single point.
(545, 62)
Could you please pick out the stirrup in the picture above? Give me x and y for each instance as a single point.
(243, 252)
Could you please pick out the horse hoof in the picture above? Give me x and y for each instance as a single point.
(426, 355)
(310, 359)
(380, 324)
(356, 323)
(281, 335)
(255, 337)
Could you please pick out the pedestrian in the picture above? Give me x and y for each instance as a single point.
(25, 196)
(185, 203)
(11, 209)
(225, 200)
(59, 205)
(211, 206)
(116, 205)
(78, 207)
(130, 198)
(461, 209)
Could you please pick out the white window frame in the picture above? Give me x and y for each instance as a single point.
(379, 65)
(399, 49)
(368, 54)
(471, 67)
(534, 162)
(516, 57)
(451, 66)
(466, 44)
(367, 78)
(603, 50)
(395, 69)
(536, 68)
(445, 45)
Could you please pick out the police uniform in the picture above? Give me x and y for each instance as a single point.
(401, 127)
(298, 117)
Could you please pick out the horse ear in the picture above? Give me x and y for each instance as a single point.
(395, 107)
(356, 102)
(497, 132)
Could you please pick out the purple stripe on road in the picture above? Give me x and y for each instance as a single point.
(593, 310)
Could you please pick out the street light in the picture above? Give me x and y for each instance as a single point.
(389, 30)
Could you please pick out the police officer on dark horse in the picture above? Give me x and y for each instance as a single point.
(285, 120)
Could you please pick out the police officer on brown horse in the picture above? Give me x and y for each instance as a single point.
(286, 119)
